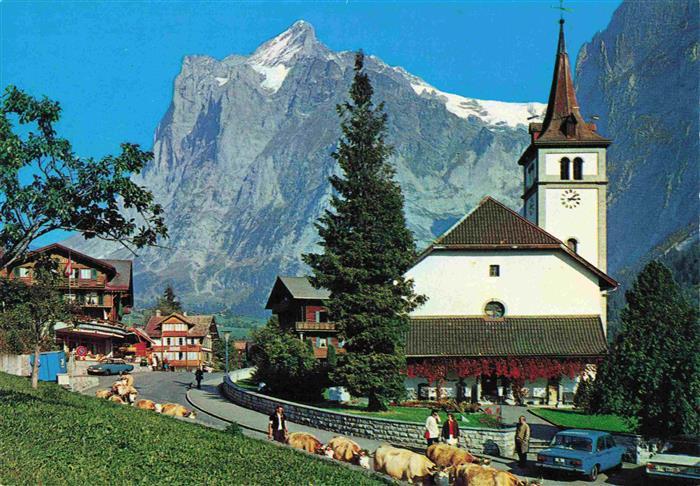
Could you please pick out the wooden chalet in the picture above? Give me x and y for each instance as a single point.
(300, 307)
(181, 340)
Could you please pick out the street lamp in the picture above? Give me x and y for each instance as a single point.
(227, 336)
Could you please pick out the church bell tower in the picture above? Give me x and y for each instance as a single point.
(565, 170)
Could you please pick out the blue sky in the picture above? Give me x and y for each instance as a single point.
(112, 64)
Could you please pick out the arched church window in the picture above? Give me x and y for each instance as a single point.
(494, 309)
(572, 243)
(578, 168)
(564, 164)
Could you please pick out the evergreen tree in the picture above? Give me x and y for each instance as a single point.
(168, 303)
(652, 375)
(366, 250)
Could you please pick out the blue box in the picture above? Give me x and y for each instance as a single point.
(50, 365)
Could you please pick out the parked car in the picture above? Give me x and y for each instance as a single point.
(679, 459)
(587, 452)
(110, 366)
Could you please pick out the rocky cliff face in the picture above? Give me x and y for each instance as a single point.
(242, 161)
(641, 76)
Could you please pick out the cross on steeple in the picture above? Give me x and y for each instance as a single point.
(562, 9)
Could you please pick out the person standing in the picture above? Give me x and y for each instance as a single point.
(450, 430)
(432, 433)
(277, 426)
(198, 375)
(522, 441)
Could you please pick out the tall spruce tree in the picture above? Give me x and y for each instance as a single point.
(366, 250)
(652, 375)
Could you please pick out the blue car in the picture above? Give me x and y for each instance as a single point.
(587, 452)
(110, 366)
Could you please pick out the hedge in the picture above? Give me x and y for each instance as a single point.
(52, 436)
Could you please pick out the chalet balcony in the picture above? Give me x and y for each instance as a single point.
(80, 283)
(314, 326)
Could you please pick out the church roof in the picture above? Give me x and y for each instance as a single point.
(563, 123)
(492, 223)
(554, 336)
(494, 226)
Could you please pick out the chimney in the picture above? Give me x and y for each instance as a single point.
(184, 313)
(157, 312)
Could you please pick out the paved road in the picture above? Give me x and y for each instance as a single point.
(163, 387)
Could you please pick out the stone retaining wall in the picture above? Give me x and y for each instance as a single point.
(15, 364)
(478, 440)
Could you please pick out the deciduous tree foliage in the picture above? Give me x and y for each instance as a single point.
(45, 187)
(652, 375)
(287, 364)
(366, 251)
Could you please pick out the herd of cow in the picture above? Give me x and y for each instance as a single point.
(442, 464)
(123, 392)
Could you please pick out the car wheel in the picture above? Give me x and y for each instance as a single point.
(593, 475)
(107, 373)
(618, 467)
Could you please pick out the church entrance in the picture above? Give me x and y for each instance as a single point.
(489, 388)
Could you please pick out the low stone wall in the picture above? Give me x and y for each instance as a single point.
(15, 364)
(478, 440)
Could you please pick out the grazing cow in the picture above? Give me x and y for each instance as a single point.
(176, 410)
(117, 399)
(402, 464)
(476, 475)
(147, 405)
(446, 455)
(347, 450)
(306, 442)
(127, 393)
(103, 393)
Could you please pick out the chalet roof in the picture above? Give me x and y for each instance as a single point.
(563, 123)
(299, 288)
(475, 336)
(74, 254)
(122, 279)
(494, 226)
(200, 325)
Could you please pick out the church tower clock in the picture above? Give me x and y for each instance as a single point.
(564, 170)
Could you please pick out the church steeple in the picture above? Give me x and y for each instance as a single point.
(563, 123)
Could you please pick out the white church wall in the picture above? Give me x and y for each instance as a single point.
(590, 163)
(531, 283)
(580, 222)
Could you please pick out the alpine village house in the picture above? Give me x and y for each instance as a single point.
(515, 304)
(103, 291)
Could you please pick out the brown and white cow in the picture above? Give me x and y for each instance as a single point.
(446, 455)
(306, 442)
(347, 450)
(117, 399)
(144, 404)
(103, 393)
(176, 410)
(402, 464)
(477, 475)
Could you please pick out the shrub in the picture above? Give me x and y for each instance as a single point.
(233, 429)
(287, 365)
(584, 394)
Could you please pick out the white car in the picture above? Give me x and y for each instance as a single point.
(678, 459)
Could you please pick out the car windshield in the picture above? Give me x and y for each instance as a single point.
(572, 442)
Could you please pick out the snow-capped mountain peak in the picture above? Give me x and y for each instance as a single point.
(274, 58)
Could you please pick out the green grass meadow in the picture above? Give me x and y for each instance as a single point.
(52, 436)
(573, 419)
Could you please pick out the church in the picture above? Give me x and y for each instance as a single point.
(517, 304)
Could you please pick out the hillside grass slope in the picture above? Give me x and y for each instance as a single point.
(52, 436)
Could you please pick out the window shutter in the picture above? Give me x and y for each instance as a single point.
(15, 271)
(94, 274)
(100, 299)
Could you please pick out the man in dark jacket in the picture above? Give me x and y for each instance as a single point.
(277, 426)
(198, 375)
(450, 430)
